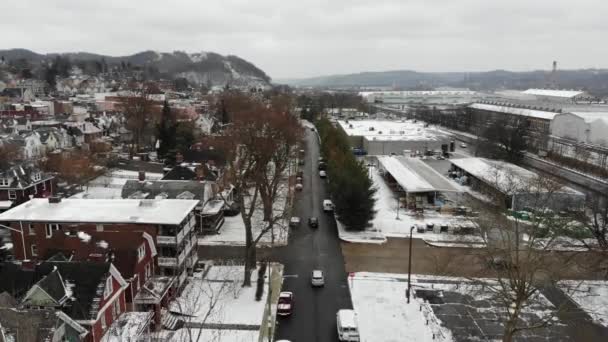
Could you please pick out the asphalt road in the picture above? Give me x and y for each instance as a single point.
(314, 314)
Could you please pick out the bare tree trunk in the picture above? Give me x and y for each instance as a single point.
(250, 259)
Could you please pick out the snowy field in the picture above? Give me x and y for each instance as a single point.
(461, 310)
(589, 295)
(214, 335)
(232, 232)
(219, 298)
(384, 316)
(109, 186)
(386, 223)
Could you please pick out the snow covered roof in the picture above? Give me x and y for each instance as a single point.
(554, 93)
(128, 327)
(516, 111)
(591, 117)
(505, 177)
(413, 175)
(165, 211)
(389, 130)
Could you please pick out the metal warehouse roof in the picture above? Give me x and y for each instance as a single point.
(516, 111)
(554, 93)
(414, 175)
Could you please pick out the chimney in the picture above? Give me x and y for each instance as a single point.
(54, 199)
(179, 158)
(142, 176)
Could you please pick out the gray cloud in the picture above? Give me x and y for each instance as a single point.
(291, 38)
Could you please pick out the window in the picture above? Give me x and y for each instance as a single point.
(50, 228)
(34, 250)
(116, 308)
(31, 229)
(103, 321)
(12, 194)
(36, 176)
(141, 252)
(148, 271)
(108, 290)
(4, 182)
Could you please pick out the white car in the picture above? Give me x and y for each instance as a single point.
(317, 278)
(346, 323)
(463, 145)
(322, 174)
(294, 222)
(328, 205)
(299, 186)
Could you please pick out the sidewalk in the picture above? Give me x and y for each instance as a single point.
(267, 328)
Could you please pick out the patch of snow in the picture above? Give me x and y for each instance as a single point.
(84, 236)
(103, 244)
(7, 246)
(198, 56)
(589, 295)
(224, 335)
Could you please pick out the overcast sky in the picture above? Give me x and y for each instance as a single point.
(300, 38)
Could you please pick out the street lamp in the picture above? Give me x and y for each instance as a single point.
(409, 268)
(22, 237)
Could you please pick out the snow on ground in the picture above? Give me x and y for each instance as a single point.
(219, 298)
(232, 231)
(382, 314)
(589, 295)
(386, 223)
(109, 185)
(213, 335)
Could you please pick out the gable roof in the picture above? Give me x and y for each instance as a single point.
(187, 171)
(52, 284)
(20, 175)
(88, 279)
(170, 189)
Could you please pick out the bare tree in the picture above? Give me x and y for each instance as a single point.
(141, 114)
(521, 252)
(8, 154)
(260, 144)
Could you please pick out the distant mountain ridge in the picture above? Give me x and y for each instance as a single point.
(201, 68)
(592, 80)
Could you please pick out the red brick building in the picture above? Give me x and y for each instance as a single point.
(20, 182)
(170, 224)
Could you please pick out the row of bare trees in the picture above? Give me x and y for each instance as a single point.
(259, 143)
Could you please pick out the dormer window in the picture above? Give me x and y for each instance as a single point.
(36, 176)
(4, 182)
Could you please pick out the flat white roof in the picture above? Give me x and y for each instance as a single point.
(554, 92)
(506, 177)
(419, 93)
(390, 130)
(165, 211)
(516, 111)
(414, 175)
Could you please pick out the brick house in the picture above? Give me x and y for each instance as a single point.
(170, 223)
(20, 182)
(91, 294)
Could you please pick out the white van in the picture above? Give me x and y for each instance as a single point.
(328, 205)
(346, 323)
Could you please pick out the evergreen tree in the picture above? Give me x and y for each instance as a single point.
(349, 183)
(166, 132)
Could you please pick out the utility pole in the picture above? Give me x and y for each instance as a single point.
(409, 268)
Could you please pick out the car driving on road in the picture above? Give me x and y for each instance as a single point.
(317, 278)
(313, 222)
(322, 174)
(285, 304)
(294, 222)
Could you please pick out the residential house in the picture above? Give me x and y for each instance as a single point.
(53, 138)
(89, 131)
(170, 223)
(19, 183)
(86, 296)
(208, 212)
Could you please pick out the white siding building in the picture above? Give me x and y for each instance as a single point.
(583, 127)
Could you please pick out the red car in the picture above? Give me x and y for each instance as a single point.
(285, 304)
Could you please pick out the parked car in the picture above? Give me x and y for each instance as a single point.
(313, 222)
(322, 174)
(346, 323)
(463, 145)
(285, 304)
(317, 278)
(322, 165)
(299, 186)
(294, 222)
(328, 205)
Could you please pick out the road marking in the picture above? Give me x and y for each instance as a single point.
(290, 276)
